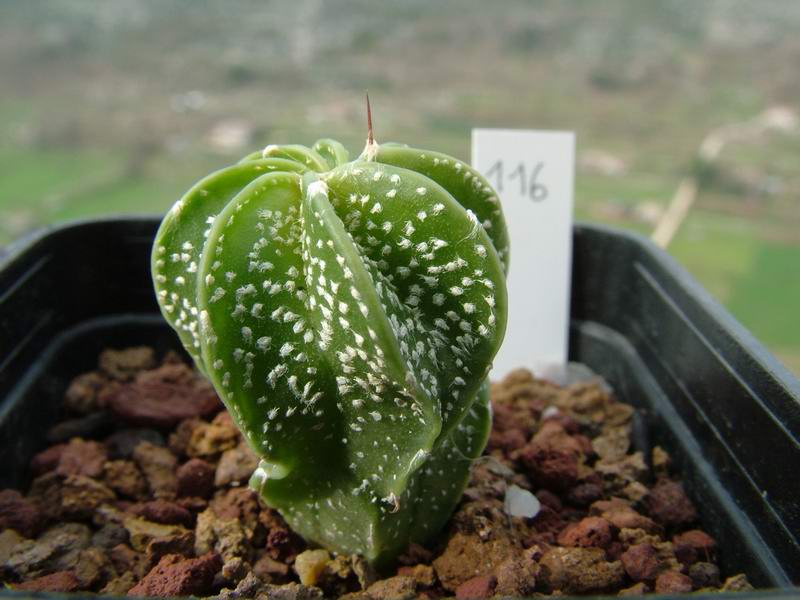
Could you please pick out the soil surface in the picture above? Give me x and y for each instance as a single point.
(143, 491)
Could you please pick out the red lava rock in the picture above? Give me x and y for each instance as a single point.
(193, 504)
(60, 581)
(485, 518)
(82, 457)
(614, 550)
(635, 491)
(162, 511)
(619, 513)
(737, 583)
(81, 496)
(84, 393)
(549, 499)
(612, 444)
(519, 400)
(579, 571)
(617, 413)
(236, 465)
(175, 575)
(195, 478)
(47, 460)
(630, 519)
(641, 562)
(236, 503)
(269, 569)
(398, 587)
(506, 440)
(122, 443)
(673, 582)
(93, 568)
(694, 545)
(631, 537)
(172, 358)
(181, 543)
(164, 396)
(118, 586)
(179, 439)
(619, 473)
(45, 491)
(415, 554)
(503, 417)
(481, 586)
(570, 425)
(109, 535)
(553, 436)
(516, 417)
(212, 439)
(704, 575)
(20, 514)
(516, 577)
(662, 462)
(638, 589)
(669, 505)
(612, 504)
(124, 558)
(490, 480)
(587, 533)
(534, 553)
(549, 523)
(584, 494)
(424, 575)
(158, 465)
(89, 426)
(584, 443)
(585, 398)
(125, 479)
(468, 555)
(284, 544)
(122, 365)
(554, 469)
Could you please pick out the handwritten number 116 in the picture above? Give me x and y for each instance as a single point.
(525, 177)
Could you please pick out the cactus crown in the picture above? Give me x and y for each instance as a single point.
(347, 313)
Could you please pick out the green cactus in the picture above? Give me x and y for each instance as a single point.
(347, 313)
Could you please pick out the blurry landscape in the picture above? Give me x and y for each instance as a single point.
(118, 106)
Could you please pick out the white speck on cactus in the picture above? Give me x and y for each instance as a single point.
(318, 187)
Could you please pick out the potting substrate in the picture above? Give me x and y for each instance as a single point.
(142, 491)
(703, 388)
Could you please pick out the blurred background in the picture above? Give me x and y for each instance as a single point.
(686, 111)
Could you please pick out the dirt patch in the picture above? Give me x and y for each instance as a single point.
(155, 503)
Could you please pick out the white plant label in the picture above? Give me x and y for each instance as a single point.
(533, 172)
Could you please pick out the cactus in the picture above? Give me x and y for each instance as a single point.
(347, 312)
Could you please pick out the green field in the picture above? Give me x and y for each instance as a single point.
(112, 108)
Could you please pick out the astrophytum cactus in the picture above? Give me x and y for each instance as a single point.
(347, 312)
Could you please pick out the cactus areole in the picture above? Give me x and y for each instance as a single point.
(347, 313)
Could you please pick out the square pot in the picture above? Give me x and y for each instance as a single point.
(726, 411)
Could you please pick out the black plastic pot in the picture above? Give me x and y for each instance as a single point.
(724, 408)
